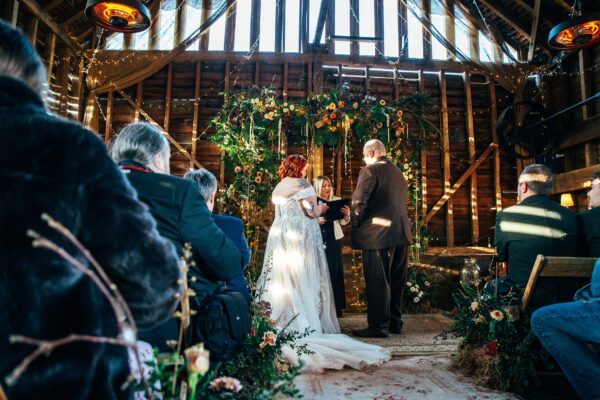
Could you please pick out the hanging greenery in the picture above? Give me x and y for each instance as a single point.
(254, 128)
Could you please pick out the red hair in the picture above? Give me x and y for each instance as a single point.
(292, 166)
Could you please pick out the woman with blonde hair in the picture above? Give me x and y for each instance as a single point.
(332, 239)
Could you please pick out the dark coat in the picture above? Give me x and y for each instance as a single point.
(50, 165)
(379, 216)
(182, 217)
(589, 232)
(234, 229)
(537, 225)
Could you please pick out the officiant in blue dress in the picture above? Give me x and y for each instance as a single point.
(332, 238)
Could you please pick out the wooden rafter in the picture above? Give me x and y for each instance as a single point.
(544, 19)
(511, 20)
(534, 30)
(52, 5)
(39, 13)
(73, 16)
(564, 5)
(321, 22)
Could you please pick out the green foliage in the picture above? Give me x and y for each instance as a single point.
(417, 292)
(499, 348)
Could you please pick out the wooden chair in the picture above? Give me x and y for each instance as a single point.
(557, 267)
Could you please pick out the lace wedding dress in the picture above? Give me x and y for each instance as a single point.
(295, 280)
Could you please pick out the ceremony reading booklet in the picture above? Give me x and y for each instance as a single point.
(335, 208)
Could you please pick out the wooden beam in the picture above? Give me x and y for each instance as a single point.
(157, 125)
(279, 26)
(180, 23)
(474, 42)
(49, 54)
(285, 81)
(448, 195)
(206, 7)
(222, 159)
(402, 30)
(37, 12)
(330, 30)
(63, 81)
(79, 89)
(450, 27)
(32, 30)
(257, 74)
(530, 10)
(75, 14)
(571, 181)
(139, 95)
(585, 83)
(471, 147)
(51, 5)
(564, 5)
(534, 30)
(309, 83)
(168, 97)
(446, 160)
(109, 114)
(493, 120)
(12, 12)
(196, 116)
(255, 24)
(127, 41)
(354, 26)
(321, 22)
(426, 12)
(586, 131)
(304, 26)
(230, 27)
(423, 160)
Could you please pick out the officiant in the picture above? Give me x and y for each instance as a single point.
(331, 229)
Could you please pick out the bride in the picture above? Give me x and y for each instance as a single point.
(295, 278)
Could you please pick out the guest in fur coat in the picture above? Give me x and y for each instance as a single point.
(50, 165)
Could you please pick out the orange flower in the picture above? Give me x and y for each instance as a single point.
(269, 339)
(382, 102)
(497, 315)
(394, 125)
(198, 359)
(341, 104)
(333, 128)
(258, 179)
(379, 125)
(238, 170)
(319, 124)
(331, 106)
(332, 115)
(259, 174)
(326, 121)
(399, 114)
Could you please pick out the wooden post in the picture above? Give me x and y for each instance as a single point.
(317, 165)
(222, 161)
(590, 149)
(285, 81)
(279, 26)
(206, 6)
(446, 160)
(32, 29)
(379, 31)
(109, 111)
(168, 98)
(471, 143)
(12, 12)
(230, 28)
(257, 73)
(309, 83)
(423, 160)
(354, 26)
(304, 26)
(450, 27)
(402, 30)
(255, 24)
(196, 112)
(127, 41)
(474, 43)
(49, 50)
(426, 12)
(63, 82)
(80, 88)
(138, 99)
(493, 118)
(330, 28)
(179, 23)
(153, 39)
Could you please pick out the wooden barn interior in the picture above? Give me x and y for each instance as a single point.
(174, 75)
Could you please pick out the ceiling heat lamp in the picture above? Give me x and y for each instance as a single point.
(128, 16)
(577, 32)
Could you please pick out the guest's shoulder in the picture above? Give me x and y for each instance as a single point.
(589, 215)
(228, 222)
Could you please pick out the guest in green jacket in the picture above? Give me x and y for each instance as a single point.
(589, 222)
(536, 225)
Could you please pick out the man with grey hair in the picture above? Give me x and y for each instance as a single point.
(536, 225)
(232, 227)
(381, 229)
(142, 152)
(49, 165)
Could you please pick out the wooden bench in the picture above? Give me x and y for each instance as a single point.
(557, 267)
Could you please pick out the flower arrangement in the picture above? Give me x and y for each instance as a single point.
(417, 291)
(498, 349)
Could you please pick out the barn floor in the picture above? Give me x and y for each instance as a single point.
(420, 368)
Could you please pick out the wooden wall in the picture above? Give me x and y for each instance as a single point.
(168, 97)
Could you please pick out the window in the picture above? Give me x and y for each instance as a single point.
(342, 25)
(415, 30)
(292, 26)
(438, 20)
(216, 34)
(242, 26)
(267, 25)
(486, 48)
(192, 22)
(366, 26)
(513, 53)
(115, 42)
(461, 32)
(166, 29)
(313, 16)
(390, 28)
(141, 40)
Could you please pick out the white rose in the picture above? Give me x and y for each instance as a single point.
(416, 299)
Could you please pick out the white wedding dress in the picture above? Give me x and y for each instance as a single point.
(295, 280)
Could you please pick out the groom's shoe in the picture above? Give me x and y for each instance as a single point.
(370, 333)
(396, 328)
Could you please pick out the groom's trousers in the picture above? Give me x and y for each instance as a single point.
(385, 276)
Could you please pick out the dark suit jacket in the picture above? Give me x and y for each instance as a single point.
(234, 229)
(537, 225)
(379, 217)
(589, 232)
(182, 216)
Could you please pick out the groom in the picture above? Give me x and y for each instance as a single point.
(381, 229)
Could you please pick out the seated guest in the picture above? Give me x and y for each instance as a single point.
(54, 166)
(332, 238)
(143, 154)
(537, 225)
(566, 329)
(232, 227)
(589, 222)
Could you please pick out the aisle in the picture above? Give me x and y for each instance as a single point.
(419, 370)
